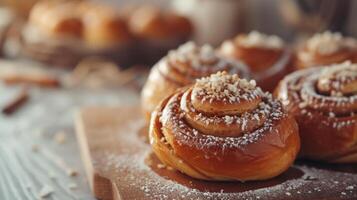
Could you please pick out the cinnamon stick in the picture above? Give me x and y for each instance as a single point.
(14, 104)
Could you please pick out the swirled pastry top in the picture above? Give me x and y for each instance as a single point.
(259, 40)
(223, 123)
(325, 49)
(330, 91)
(190, 62)
(221, 105)
(327, 43)
(265, 55)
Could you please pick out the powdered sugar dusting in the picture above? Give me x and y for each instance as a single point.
(327, 43)
(225, 88)
(338, 79)
(134, 174)
(194, 55)
(190, 52)
(257, 121)
(191, 61)
(257, 39)
(322, 91)
(256, 116)
(130, 167)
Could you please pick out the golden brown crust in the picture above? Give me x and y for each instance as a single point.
(181, 68)
(325, 49)
(266, 56)
(151, 23)
(324, 103)
(254, 144)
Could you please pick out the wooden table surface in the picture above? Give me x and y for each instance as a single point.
(39, 155)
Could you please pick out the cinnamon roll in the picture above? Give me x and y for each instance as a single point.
(182, 67)
(266, 56)
(224, 128)
(324, 49)
(324, 102)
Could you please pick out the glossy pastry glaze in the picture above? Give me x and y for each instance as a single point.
(266, 56)
(324, 102)
(324, 49)
(224, 128)
(182, 67)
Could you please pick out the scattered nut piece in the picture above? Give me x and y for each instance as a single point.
(46, 191)
(60, 137)
(161, 166)
(72, 186)
(72, 172)
(35, 148)
(38, 133)
(52, 175)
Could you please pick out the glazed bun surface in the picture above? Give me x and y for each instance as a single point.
(325, 49)
(224, 128)
(267, 56)
(182, 67)
(324, 102)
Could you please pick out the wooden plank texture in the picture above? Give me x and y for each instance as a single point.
(120, 165)
(32, 156)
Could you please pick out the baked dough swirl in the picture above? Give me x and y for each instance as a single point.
(224, 128)
(324, 102)
(182, 67)
(325, 49)
(267, 56)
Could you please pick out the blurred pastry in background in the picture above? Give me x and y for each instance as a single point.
(20, 7)
(159, 30)
(103, 25)
(152, 23)
(63, 32)
(326, 48)
(267, 56)
(181, 67)
(57, 19)
(7, 17)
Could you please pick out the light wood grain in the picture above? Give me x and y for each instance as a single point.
(88, 121)
(23, 171)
